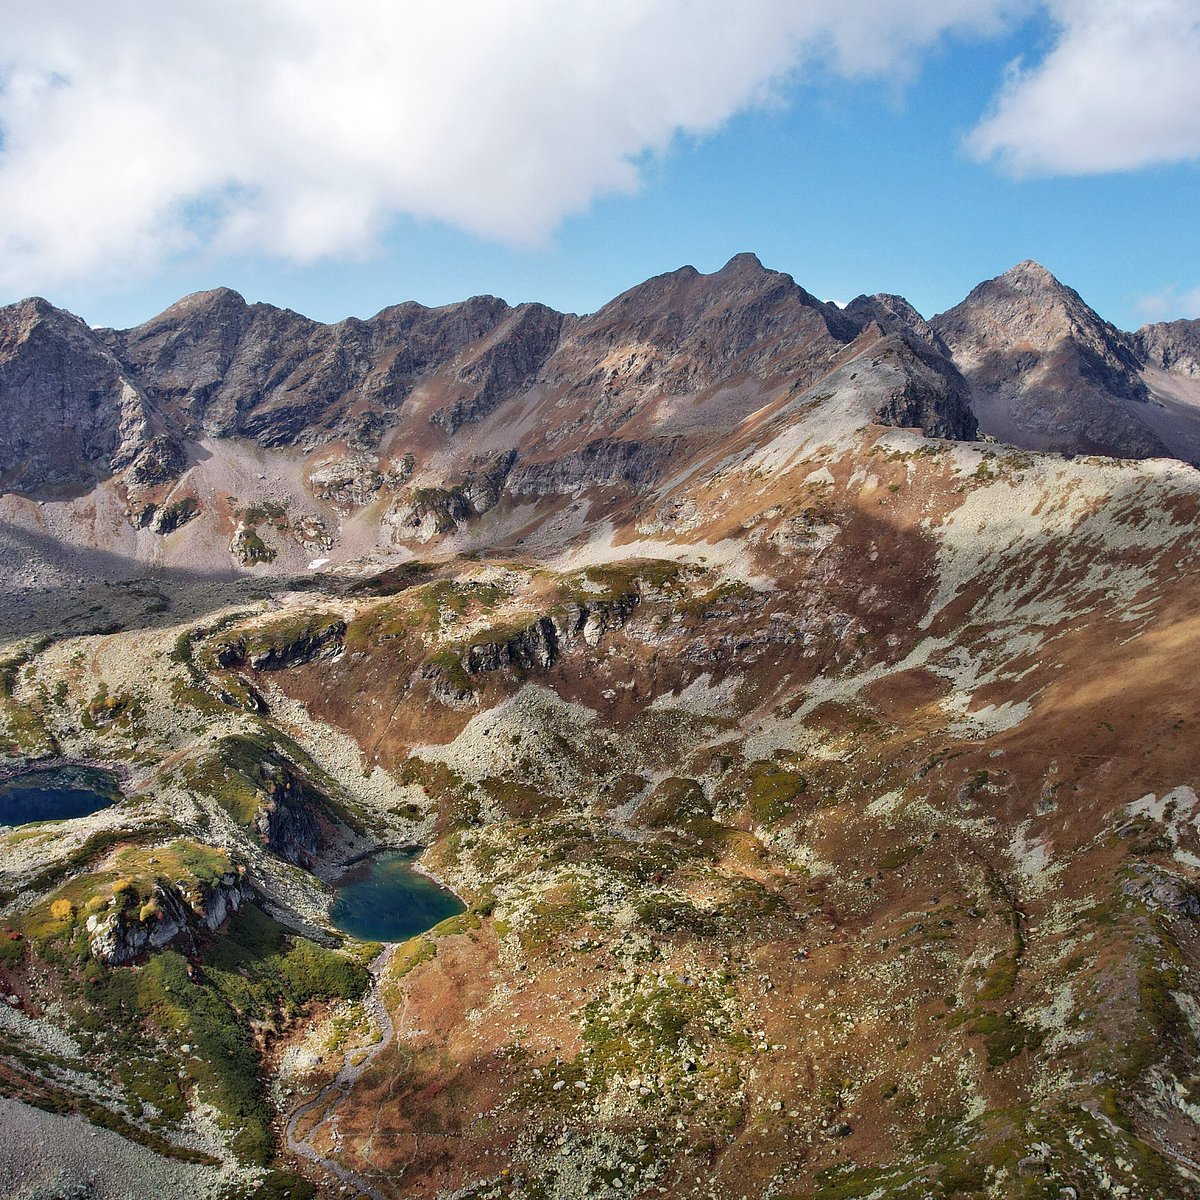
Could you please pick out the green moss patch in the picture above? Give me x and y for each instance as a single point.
(772, 791)
(254, 974)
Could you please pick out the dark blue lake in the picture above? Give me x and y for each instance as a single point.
(382, 899)
(56, 794)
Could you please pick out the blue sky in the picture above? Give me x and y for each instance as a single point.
(916, 159)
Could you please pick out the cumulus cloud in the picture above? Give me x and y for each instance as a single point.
(1120, 89)
(132, 132)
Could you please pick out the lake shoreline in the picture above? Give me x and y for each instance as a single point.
(391, 898)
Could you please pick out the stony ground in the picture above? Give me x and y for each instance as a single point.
(44, 1156)
(828, 833)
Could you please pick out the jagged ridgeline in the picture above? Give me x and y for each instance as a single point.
(798, 700)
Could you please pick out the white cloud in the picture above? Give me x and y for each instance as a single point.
(1170, 304)
(136, 131)
(1119, 90)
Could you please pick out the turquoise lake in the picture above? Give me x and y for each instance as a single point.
(56, 794)
(382, 899)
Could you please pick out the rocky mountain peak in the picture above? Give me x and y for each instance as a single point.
(195, 314)
(724, 313)
(1031, 273)
(1026, 306)
(209, 298)
(1031, 284)
(892, 314)
(20, 321)
(1046, 370)
(1029, 308)
(745, 263)
(32, 308)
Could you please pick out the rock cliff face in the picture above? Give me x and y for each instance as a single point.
(601, 462)
(508, 361)
(292, 821)
(424, 513)
(455, 676)
(324, 640)
(70, 412)
(909, 384)
(175, 916)
(1173, 346)
(540, 644)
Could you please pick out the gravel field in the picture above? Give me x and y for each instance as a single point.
(44, 1156)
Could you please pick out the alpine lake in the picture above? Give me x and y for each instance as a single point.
(384, 898)
(58, 793)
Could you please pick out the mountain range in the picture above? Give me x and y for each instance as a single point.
(428, 417)
(799, 700)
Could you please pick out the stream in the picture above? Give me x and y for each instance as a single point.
(383, 899)
(333, 1093)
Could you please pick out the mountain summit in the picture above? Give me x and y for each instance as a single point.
(1046, 371)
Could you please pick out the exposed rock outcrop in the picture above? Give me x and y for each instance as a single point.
(175, 915)
(1173, 346)
(534, 647)
(249, 548)
(927, 392)
(312, 641)
(508, 363)
(352, 482)
(356, 480)
(292, 820)
(540, 644)
(324, 642)
(893, 314)
(427, 512)
(70, 413)
(159, 461)
(174, 514)
(272, 791)
(602, 462)
(592, 619)
(447, 682)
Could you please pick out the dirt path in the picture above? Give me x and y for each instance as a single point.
(332, 1094)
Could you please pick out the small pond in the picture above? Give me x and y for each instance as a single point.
(383, 899)
(56, 794)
